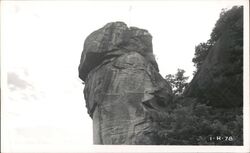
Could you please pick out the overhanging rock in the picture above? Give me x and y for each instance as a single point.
(123, 87)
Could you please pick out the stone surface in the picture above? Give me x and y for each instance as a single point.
(219, 82)
(123, 87)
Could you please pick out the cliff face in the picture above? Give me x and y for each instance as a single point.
(123, 88)
(219, 81)
(130, 103)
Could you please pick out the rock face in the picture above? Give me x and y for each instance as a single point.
(123, 87)
(219, 81)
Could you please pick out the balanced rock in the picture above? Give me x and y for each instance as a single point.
(123, 87)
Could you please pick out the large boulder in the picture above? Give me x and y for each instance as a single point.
(123, 87)
(113, 40)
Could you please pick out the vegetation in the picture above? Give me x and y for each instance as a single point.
(187, 121)
(192, 123)
(201, 52)
(178, 81)
(229, 19)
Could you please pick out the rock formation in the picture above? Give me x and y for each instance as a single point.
(123, 87)
(130, 103)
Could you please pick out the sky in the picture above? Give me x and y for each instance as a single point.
(41, 45)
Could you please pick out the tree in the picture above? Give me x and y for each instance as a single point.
(190, 121)
(230, 20)
(201, 52)
(227, 20)
(178, 81)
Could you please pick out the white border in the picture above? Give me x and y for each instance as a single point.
(172, 148)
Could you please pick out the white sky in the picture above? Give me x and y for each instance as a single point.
(41, 44)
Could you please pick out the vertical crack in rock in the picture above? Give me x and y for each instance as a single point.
(122, 85)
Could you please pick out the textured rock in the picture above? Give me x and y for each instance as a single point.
(123, 87)
(219, 82)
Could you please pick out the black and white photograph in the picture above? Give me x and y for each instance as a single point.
(125, 76)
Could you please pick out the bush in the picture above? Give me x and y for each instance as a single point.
(178, 81)
(192, 123)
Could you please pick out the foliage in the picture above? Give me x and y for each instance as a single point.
(227, 21)
(178, 81)
(201, 52)
(192, 123)
(230, 20)
(189, 121)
